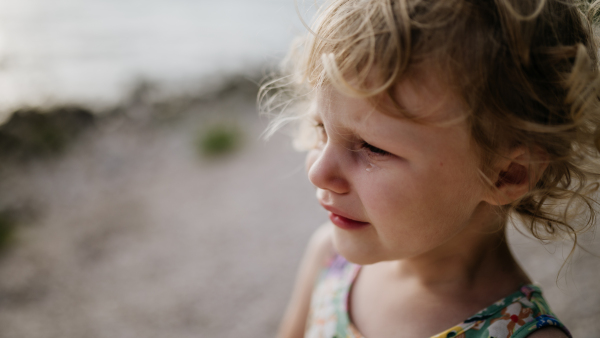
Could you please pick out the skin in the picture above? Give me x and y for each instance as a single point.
(434, 237)
(410, 194)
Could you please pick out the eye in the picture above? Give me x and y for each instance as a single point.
(374, 150)
(321, 134)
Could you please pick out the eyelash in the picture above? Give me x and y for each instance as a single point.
(374, 150)
(364, 145)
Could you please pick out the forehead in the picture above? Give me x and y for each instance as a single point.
(421, 96)
(437, 128)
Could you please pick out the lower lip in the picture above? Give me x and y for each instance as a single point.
(346, 223)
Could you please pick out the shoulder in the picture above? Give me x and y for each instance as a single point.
(520, 315)
(320, 247)
(317, 256)
(548, 332)
(318, 253)
(543, 326)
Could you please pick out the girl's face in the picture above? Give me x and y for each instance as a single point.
(395, 188)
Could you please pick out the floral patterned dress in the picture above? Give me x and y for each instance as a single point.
(515, 316)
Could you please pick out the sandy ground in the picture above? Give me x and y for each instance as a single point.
(132, 234)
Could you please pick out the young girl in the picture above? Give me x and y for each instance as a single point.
(434, 122)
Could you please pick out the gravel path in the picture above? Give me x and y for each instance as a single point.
(135, 235)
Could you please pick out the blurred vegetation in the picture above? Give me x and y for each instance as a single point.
(219, 140)
(36, 133)
(7, 229)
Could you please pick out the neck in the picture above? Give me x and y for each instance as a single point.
(474, 259)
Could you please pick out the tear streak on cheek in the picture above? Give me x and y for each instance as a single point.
(371, 167)
(366, 161)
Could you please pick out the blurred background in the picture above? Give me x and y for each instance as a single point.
(137, 198)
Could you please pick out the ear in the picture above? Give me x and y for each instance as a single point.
(516, 174)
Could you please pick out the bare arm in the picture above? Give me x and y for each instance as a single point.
(548, 332)
(320, 248)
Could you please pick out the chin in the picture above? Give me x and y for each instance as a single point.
(357, 254)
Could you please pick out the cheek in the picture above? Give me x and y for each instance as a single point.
(386, 194)
(418, 195)
(454, 194)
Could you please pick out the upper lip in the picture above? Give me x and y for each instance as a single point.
(339, 212)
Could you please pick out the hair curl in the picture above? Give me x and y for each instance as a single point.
(526, 69)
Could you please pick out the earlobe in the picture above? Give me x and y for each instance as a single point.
(516, 174)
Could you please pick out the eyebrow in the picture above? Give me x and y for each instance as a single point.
(355, 127)
(350, 131)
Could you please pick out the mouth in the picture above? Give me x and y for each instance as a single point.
(342, 221)
(346, 223)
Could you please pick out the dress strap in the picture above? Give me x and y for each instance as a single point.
(539, 322)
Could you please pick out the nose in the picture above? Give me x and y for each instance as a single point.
(325, 169)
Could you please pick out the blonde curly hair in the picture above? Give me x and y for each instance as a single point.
(526, 69)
